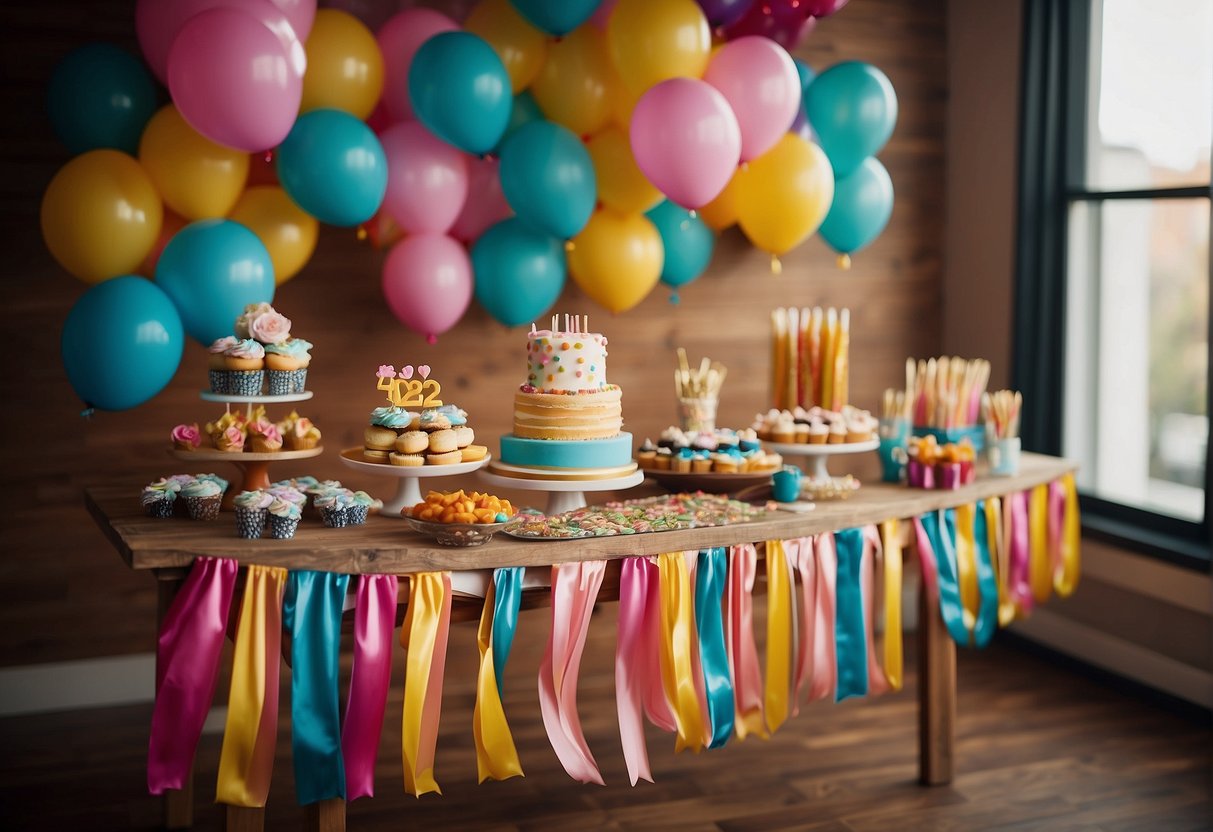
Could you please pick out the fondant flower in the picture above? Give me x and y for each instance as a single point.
(386, 371)
(246, 318)
(187, 436)
(270, 327)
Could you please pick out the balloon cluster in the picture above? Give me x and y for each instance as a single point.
(602, 139)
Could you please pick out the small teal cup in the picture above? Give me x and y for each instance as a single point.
(894, 439)
(785, 483)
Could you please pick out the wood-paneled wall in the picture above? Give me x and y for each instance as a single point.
(64, 593)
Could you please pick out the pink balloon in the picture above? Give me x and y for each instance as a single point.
(399, 39)
(427, 281)
(301, 14)
(485, 204)
(759, 80)
(157, 23)
(232, 81)
(686, 140)
(427, 179)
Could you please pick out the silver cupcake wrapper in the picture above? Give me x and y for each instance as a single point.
(203, 508)
(218, 380)
(160, 509)
(250, 522)
(357, 514)
(245, 382)
(335, 518)
(299, 379)
(281, 382)
(282, 528)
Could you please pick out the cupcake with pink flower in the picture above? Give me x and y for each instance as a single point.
(245, 362)
(186, 437)
(264, 437)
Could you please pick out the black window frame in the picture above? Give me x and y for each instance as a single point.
(1053, 110)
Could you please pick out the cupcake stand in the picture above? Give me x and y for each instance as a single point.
(818, 456)
(563, 494)
(254, 467)
(408, 490)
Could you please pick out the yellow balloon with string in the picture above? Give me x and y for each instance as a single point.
(196, 177)
(573, 87)
(617, 259)
(621, 185)
(344, 65)
(783, 195)
(520, 46)
(721, 212)
(655, 40)
(288, 232)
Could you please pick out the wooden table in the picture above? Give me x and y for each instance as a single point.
(384, 546)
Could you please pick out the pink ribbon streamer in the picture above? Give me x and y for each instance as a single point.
(926, 562)
(187, 666)
(632, 663)
(657, 707)
(1020, 582)
(877, 683)
(739, 641)
(574, 589)
(370, 679)
(825, 668)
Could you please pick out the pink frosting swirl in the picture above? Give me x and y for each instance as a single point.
(223, 344)
(234, 437)
(246, 318)
(270, 327)
(247, 348)
(187, 435)
(266, 429)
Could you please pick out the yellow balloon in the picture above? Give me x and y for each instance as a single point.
(573, 87)
(101, 215)
(289, 232)
(344, 65)
(617, 259)
(721, 212)
(196, 177)
(622, 100)
(655, 40)
(621, 185)
(520, 45)
(784, 194)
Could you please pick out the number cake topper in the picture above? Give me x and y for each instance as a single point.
(405, 391)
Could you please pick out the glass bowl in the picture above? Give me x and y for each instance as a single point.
(457, 534)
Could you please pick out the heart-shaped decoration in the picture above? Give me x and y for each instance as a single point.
(423, 370)
(406, 372)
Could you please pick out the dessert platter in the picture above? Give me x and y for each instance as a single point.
(409, 445)
(663, 513)
(719, 461)
(460, 519)
(568, 419)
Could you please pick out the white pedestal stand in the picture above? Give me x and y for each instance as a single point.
(408, 491)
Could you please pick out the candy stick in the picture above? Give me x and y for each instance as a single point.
(790, 368)
(842, 360)
(827, 357)
(815, 396)
(778, 326)
(804, 374)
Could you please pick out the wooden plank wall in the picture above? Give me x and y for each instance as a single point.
(64, 594)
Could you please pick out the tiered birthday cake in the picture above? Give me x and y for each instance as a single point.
(567, 415)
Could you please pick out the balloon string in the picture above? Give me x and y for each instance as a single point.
(776, 266)
(361, 233)
(844, 262)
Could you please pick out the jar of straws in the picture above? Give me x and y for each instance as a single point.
(894, 432)
(1001, 409)
(947, 395)
(698, 392)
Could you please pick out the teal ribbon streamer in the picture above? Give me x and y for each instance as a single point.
(710, 574)
(940, 527)
(850, 640)
(507, 582)
(987, 583)
(312, 614)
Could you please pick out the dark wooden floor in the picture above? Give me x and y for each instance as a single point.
(1038, 748)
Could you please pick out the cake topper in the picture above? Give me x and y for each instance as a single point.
(405, 391)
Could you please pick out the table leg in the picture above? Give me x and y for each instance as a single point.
(244, 819)
(325, 816)
(936, 695)
(178, 804)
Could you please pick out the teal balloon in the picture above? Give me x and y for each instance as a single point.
(853, 108)
(547, 177)
(863, 202)
(332, 165)
(121, 343)
(806, 74)
(520, 272)
(688, 243)
(524, 111)
(459, 89)
(212, 269)
(100, 96)
(556, 17)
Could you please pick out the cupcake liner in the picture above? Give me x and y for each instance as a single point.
(218, 380)
(335, 518)
(281, 382)
(203, 508)
(357, 514)
(299, 379)
(250, 522)
(245, 382)
(283, 528)
(160, 509)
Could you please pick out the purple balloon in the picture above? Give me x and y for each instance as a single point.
(724, 12)
(784, 21)
(822, 8)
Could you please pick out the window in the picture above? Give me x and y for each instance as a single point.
(1112, 299)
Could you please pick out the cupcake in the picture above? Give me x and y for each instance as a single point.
(245, 362)
(802, 431)
(664, 460)
(186, 437)
(243, 325)
(216, 364)
(360, 507)
(434, 420)
(286, 366)
(819, 434)
(838, 433)
(784, 430)
(289, 493)
(647, 455)
(724, 463)
(263, 437)
(284, 518)
(682, 461)
(202, 498)
(334, 507)
(252, 513)
(158, 499)
(230, 440)
(394, 419)
(298, 433)
(215, 478)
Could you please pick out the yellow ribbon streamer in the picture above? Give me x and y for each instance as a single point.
(677, 634)
(419, 635)
(779, 635)
(1040, 572)
(966, 566)
(1066, 578)
(496, 756)
(246, 760)
(1000, 559)
(892, 603)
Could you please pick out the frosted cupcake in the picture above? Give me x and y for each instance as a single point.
(158, 499)
(230, 440)
(263, 437)
(286, 366)
(252, 512)
(202, 498)
(334, 507)
(245, 362)
(360, 507)
(217, 364)
(186, 437)
(284, 518)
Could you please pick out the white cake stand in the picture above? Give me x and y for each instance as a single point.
(563, 495)
(408, 492)
(819, 455)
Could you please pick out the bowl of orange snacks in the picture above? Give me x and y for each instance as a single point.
(458, 518)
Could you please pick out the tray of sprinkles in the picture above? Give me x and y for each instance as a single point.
(670, 512)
